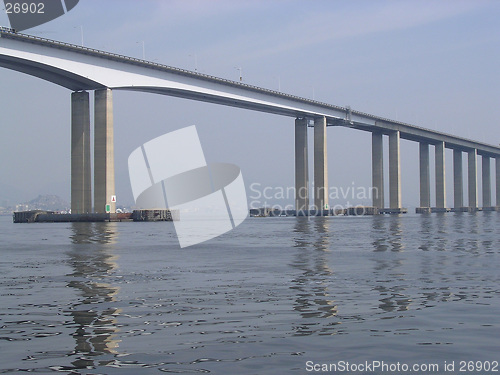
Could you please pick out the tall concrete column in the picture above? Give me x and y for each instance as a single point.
(301, 168)
(486, 174)
(320, 165)
(440, 176)
(378, 170)
(472, 171)
(425, 184)
(81, 193)
(497, 164)
(104, 165)
(458, 180)
(394, 170)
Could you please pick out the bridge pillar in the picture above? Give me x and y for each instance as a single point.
(320, 166)
(425, 185)
(486, 175)
(301, 168)
(104, 167)
(378, 170)
(458, 184)
(440, 176)
(394, 171)
(472, 171)
(81, 191)
(497, 164)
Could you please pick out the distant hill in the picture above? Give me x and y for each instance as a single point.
(49, 203)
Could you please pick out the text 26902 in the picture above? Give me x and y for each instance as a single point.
(479, 366)
(24, 8)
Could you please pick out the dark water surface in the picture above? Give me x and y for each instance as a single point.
(266, 298)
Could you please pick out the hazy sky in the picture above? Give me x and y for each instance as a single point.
(430, 63)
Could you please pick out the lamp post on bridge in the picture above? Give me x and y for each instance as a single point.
(143, 49)
(81, 33)
(241, 74)
(195, 62)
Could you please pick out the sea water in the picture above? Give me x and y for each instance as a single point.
(274, 296)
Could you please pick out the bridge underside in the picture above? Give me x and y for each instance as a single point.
(60, 77)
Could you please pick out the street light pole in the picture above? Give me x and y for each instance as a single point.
(195, 62)
(143, 49)
(81, 33)
(241, 74)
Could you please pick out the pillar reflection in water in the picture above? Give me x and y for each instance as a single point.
(387, 233)
(426, 230)
(431, 267)
(312, 241)
(389, 275)
(93, 261)
(379, 234)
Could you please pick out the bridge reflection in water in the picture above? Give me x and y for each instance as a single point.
(312, 285)
(388, 237)
(402, 265)
(93, 261)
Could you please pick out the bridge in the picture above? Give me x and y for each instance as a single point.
(83, 69)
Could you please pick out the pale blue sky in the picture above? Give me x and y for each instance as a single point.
(430, 63)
